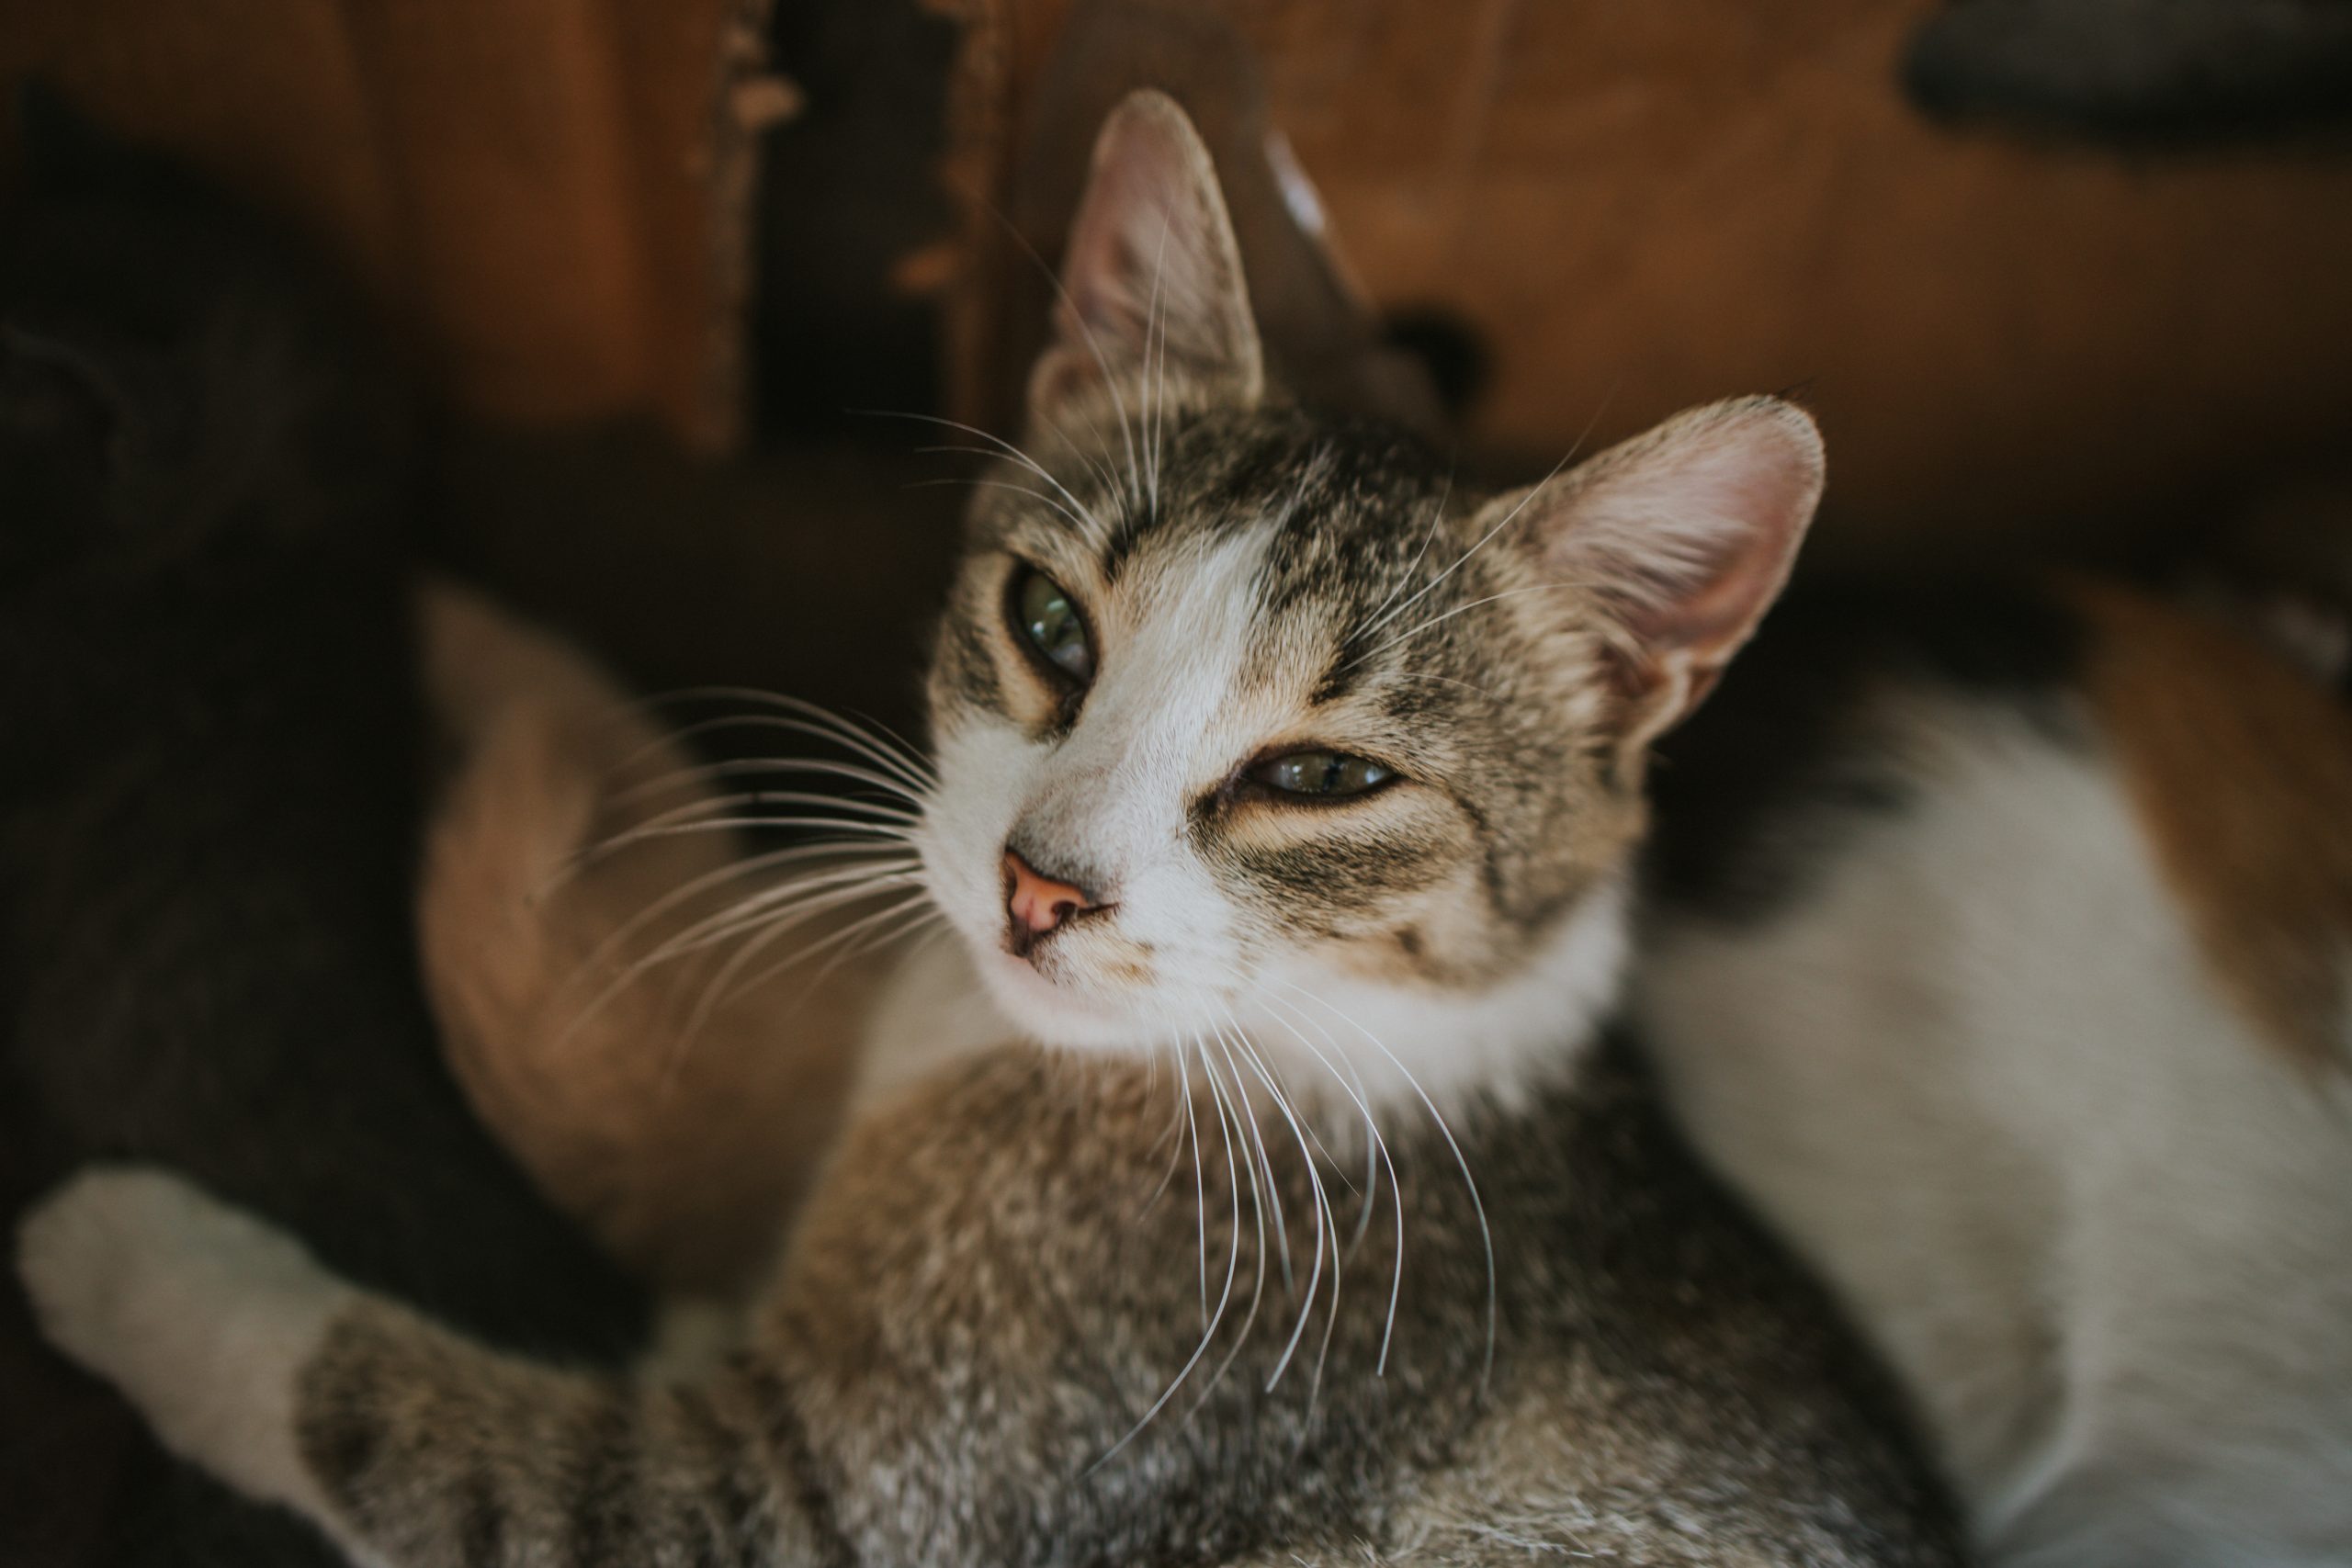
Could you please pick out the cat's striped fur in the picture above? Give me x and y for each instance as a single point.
(985, 1300)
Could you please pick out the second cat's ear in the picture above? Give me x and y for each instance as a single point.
(1152, 289)
(1682, 537)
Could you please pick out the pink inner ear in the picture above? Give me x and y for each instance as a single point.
(1101, 263)
(1740, 570)
(1150, 274)
(1703, 540)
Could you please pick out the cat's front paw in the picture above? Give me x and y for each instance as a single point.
(201, 1315)
(122, 1257)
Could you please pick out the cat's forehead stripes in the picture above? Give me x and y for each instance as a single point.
(2240, 769)
(1346, 521)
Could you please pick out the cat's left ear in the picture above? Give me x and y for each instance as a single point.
(1683, 537)
(1152, 287)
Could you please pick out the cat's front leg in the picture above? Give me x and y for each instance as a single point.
(200, 1314)
(405, 1443)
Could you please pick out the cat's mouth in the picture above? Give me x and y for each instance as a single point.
(1055, 977)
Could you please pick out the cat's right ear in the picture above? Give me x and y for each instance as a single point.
(1152, 291)
(1680, 538)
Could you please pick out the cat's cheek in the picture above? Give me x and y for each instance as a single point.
(201, 1316)
(984, 768)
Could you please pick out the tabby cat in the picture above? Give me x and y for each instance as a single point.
(1243, 1178)
(2001, 953)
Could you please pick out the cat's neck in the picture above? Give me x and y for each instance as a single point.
(1342, 1048)
(1403, 1047)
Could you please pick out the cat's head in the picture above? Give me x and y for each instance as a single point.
(1255, 720)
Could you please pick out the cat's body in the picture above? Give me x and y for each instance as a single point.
(1287, 793)
(209, 785)
(998, 1284)
(682, 1146)
(2001, 956)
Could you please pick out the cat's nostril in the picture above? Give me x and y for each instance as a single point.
(1035, 904)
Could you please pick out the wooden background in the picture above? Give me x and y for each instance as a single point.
(1629, 207)
(546, 198)
(1638, 206)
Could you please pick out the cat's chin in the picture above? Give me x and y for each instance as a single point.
(1057, 1014)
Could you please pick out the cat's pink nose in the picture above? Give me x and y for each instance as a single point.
(1035, 904)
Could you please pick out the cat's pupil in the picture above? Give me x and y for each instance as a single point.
(1322, 772)
(1052, 623)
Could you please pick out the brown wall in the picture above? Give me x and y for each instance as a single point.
(1639, 206)
(547, 197)
(1634, 206)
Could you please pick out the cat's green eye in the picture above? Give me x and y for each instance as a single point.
(1324, 774)
(1045, 615)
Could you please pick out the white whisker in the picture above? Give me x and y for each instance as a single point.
(1469, 1182)
(1232, 1267)
(1092, 528)
(838, 769)
(1507, 518)
(718, 993)
(1264, 1162)
(1200, 1196)
(1437, 517)
(1351, 1083)
(1487, 693)
(1155, 375)
(876, 742)
(1236, 1101)
(858, 854)
(704, 773)
(694, 814)
(1174, 1138)
(1084, 523)
(1002, 447)
(1077, 318)
(1377, 1156)
(800, 896)
(914, 915)
(1458, 610)
(1326, 1226)
(880, 809)
(671, 828)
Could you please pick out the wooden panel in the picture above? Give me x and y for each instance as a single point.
(1639, 207)
(547, 197)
